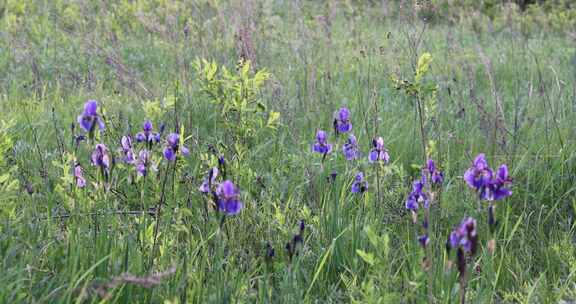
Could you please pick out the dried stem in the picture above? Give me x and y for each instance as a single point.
(101, 213)
(127, 278)
(463, 285)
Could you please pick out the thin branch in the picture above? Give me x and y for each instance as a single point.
(149, 281)
(101, 213)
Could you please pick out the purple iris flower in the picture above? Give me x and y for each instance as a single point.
(360, 185)
(342, 121)
(127, 149)
(332, 177)
(142, 163)
(464, 239)
(454, 239)
(436, 177)
(490, 186)
(417, 196)
(479, 175)
(350, 148)
(465, 235)
(77, 140)
(424, 240)
(321, 145)
(228, 198)
(147, 135)
(292, 246)
(269, 252)
(173, 147)
(496, 189)
(90, 118)
(378, 153)
(209, 181)
(100, 157)
(79, 176)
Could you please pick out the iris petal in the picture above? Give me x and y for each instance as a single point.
(169, 154)
(373, 156)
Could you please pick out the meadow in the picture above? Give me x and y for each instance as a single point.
(285, 152)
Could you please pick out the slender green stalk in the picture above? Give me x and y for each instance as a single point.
(159, 213)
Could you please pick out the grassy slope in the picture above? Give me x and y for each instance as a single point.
(54, 56)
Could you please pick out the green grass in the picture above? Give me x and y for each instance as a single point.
(59, 243)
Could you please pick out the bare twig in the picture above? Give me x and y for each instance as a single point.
(149, 281)
(101, 213)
